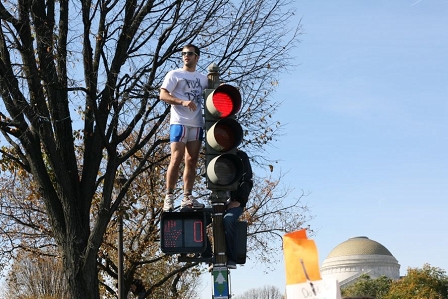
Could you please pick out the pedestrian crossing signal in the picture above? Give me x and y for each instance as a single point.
(183, 232)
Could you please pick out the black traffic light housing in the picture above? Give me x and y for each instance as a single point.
(224, 134)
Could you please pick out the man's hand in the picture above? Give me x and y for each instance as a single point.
(168, 98)
(233, 204)
(190, 104)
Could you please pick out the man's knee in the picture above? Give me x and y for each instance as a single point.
(191, 161)
(175, 163)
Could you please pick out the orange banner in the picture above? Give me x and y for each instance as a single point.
(300, 255)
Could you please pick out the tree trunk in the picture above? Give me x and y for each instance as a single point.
(82, 277)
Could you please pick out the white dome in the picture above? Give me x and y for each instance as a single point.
(356, 256)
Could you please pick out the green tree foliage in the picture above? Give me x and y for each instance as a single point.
(427, 282)
(79, 105)
(367, 287)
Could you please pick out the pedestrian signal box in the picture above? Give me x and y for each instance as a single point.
(183, 232)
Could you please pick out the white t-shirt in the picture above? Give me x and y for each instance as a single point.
(187, 86)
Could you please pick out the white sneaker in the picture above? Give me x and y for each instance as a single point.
(168, 204)
(191, 202)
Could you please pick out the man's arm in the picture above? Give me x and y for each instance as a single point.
(168, 98)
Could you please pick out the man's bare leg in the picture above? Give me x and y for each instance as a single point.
(191, 161)
(172, 174)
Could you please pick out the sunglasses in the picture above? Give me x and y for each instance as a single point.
(188, 53)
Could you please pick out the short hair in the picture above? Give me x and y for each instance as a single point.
(196, 49)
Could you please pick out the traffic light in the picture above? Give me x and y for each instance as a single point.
(224, 134)
(183, 232)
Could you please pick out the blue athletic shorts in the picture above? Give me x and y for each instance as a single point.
(181, 133)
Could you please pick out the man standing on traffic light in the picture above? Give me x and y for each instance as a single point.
(235, 207)
(182, 89)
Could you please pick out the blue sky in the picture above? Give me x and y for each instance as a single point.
(366, 123)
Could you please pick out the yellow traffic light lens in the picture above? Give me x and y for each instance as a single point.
(225, 137)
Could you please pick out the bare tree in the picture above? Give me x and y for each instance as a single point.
(266, 292)
(78, 79)
(36, 277)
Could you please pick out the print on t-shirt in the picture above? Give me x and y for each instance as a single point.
(194, 90)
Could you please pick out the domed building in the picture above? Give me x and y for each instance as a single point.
(357, 256)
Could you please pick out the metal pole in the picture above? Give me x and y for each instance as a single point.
(120, 180)
(120, 256)
(220, 271)
(218, 199)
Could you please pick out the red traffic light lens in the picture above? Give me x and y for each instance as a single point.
(223, 103)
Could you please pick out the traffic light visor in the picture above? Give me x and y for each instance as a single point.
(224, 101)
